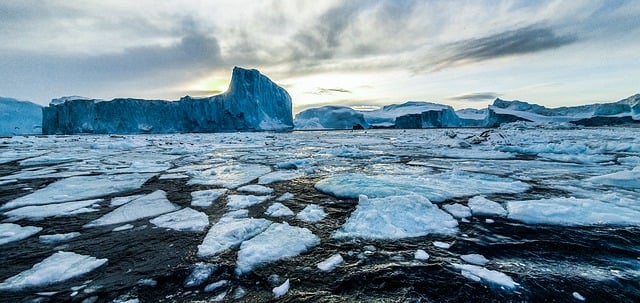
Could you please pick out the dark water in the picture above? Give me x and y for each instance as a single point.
(548, 262)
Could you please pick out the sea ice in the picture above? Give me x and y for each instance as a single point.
(230, 233)
(80, 188)
(200, 274)
(118, 201)
(481, 206)
(436, 188)
(572, 211)
(625, 179)
(311, 213)
(285, 197)
(230, 176)
(578, 296)
(241, 201)
(474, 259)
(280, 175)
(255, 189)
(396, 217)
(216, 285)
(205, 198)
(278, 241)
(50, 239)
(151, 205)
(123, 227)
(457, 210)
(58, 267)
(441, 245)
(281, 290)
(39, 212)
(477, 273)
(330, 263)
(278, 210)
(10, 232)
(185, 219)
(421, 255)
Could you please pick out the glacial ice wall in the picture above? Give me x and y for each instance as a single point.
(19, 117)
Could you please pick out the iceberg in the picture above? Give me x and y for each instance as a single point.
(252, 103)
(330, 117)
(19, 117)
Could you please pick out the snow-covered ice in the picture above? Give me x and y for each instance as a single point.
(478, 273)
(421, 255)
(396, 217)
(56, 238)
(10, 232)
(624, 179)
(441, 245)
(481, 206)
(279, 176)
(199, 274)
(58, 267)
(578, 296)
(311, 213)
(185, 219)
(244, 201)
(66, 209)
(230, 233)
(118, 201)
(255, 189)
(216, 285)
(330, 263)
(475, 259)
(285, 197)
(230, 176)
(278, 241)
(205, 198)
(458, 211)
(278, 210)
(281, 290)
(151, 205)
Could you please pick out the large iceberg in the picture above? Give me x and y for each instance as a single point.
(330, 117)
(19, 117)
(252, 103)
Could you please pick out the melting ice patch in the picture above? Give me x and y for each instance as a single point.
(482, 206)
(625, 179)
(230, 176)
(39, 212)
(396, 217)
(571, 212)
(277, 242)
(255, 189)
(330, 263)
(80, 188)
(436, 188)
(230, 233)
(50, 239)
(151, 205)
(58, 267)
(278, 210)
(280, 175)
(204, 198)
(478, 274)
(10, 232)
(311, 213)
(241, 201)
(185, 219)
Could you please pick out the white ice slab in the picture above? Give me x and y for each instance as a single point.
(281, 290)
(624, 179)
(477, 273)
(330, 263)
(421, 255)
(117, 201)
(205, 198)
(242, 201)
(151, 205)
(396, 217)
(50, 239)
(441, 245)
(285, 197)
(255, 189)
(311, 213)
(277, 242)
(230, 176)
(230, 233)
(436, 188)
(458, 211)
(475, 259)
(278, 210)
(58, 267)
(199, 274)
(80, 188)
(481, 206)
(185, 219)
(572, 211)
(280, 175)
(10, 232)
(66, 209)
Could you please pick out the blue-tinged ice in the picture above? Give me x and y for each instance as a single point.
(255, 189)
(229, 176)
(230, 233)
(19, 117)
(242, 201)
(480, 274)
(329, 117)
(56, 238)
(205, 198)
(278, 210)
(481, 206)
(200, 274)
(330, 263)
(311, 213)
(10, 232)
(625, 179)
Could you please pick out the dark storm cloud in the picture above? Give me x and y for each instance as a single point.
(483, 96)
(531, 39)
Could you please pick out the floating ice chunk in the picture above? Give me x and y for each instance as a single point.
(255, 189)
(482, 206)
(348, 152)
(624, 179)
(395, 218)
(230, 176)
(285, 197)
(230, 233)
(281, 290)
(123, 227)
(151, 205)
(118, 201)
(40, 212)
(50, 239)
(280, 175)
(475, 259)
(147, 282)
(185, 219)
(241, 201)
(80, 188)
(10, 232)
(239, 293)
(477, 273)
(578, 158)
(578, 296)
(311, 213)
(295, 164)
(204, 198)
(56, 268)
(441, 245)
(571, 211)
(436, 188)
(216, 285)
(277, 242)
(173, 176)
(457, 210)
(421, 255)
(330, 263)
(200, 274)
(236, 214)
(278, 210)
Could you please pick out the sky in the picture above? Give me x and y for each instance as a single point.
(359, 53)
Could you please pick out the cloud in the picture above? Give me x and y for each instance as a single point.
(483, 96)
(330, 91)
(526, 40)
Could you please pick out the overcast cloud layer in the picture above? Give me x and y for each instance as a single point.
(359, 52)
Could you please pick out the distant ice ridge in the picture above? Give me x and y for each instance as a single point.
(19, 117)
(252, 103)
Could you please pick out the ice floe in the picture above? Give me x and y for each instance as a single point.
(396, 217)
(279, 176)
(285, 197)
(242, 201)
(478, 273)
(458, 211)
(624, 179)
(39, 212)
(281, 290)
(10, 232)
(255, 189)
(216, 285)
(441, 245)
(311, 213)
(330, 263)
(199, 274)
(230, 233)
(151, 205)
(118, 201)
(80, 188)
(230, 176)
(475, 259)
(56, 238)
(205, 198)
(421, 255)
(278, 241)
(123, 227)
(278, 210)
(482, 206)
(56, 268)
(185, 219)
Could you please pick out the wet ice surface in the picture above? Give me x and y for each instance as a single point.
(526, 215)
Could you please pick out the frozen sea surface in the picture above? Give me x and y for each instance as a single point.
(527, 215)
